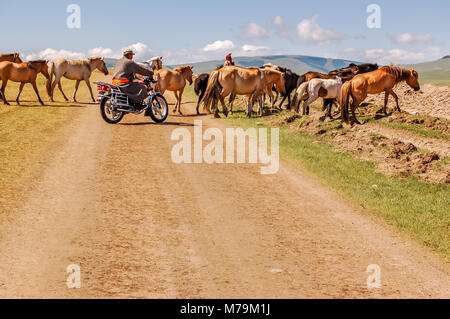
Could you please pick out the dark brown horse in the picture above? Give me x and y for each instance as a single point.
(200, 84)
(25, 72)
(384, 79)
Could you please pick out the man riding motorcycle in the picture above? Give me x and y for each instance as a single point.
(124, 75)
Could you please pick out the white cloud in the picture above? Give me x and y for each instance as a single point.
(219, 46)
(277, 20)
(412, 38)
(399, 56)
(141, 51)
(310, 31)
(51, 54)
(281, 28)
(249, 47)
(253, 30)
(100, 51)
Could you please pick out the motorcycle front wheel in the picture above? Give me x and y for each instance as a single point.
(158, 108)
(108, 114)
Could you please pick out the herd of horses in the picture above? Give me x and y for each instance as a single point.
(346, 87)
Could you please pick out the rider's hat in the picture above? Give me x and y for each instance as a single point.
(126, 52)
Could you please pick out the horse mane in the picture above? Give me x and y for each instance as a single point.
(400, 74)
(95, 58)
(182, 68)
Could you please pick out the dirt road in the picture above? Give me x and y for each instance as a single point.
(138, 225)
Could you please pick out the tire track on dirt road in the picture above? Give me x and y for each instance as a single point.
(112, 201)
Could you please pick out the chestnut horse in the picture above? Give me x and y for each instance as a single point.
(11, 57)
(78, 70)
(175, 81)
(383, 79)
(25, 72)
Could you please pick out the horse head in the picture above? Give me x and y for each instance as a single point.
(40, 66)
(16, 58)
(99, 64)
(187, 70)
(413, 80)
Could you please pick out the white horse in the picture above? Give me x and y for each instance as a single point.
(316, 88)
(78, 70)
(154, 63)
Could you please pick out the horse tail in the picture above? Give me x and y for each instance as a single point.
(157, 78)
(344, 100)
(48, 84)
(211, 88)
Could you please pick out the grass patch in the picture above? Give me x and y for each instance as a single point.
(438, 77)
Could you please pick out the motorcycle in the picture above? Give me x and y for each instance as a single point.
(114, 103)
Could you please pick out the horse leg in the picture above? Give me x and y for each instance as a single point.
(202, 93)
(77, 83)
(58, 81)
(355, 104)
(261, 106)
(33, 83)
(284, 99)
(3, 91)
(90, 89)
(180, 95)
(249, 106)
(386, 99)
(176, 99)
(230, 102)
(396, 99)
(20, 91)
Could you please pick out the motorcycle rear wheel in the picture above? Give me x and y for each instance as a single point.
(108, 115)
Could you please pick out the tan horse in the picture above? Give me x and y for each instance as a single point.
(25, 72)
(383, 79)
(251, 82)
(175, 81)
(78, 70)
(11, 57)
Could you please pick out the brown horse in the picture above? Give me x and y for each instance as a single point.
(25, 72)
(251, 82)
(384, 79)
(78, 70)
(11, 57)
(175, 81)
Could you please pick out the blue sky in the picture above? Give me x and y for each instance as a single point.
(191, 31)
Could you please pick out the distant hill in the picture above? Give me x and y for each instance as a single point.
(446, 57)
(439, 65)
(297, 63)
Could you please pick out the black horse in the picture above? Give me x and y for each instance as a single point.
(200, 84)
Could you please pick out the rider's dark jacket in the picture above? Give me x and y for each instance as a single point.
(125, 70)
